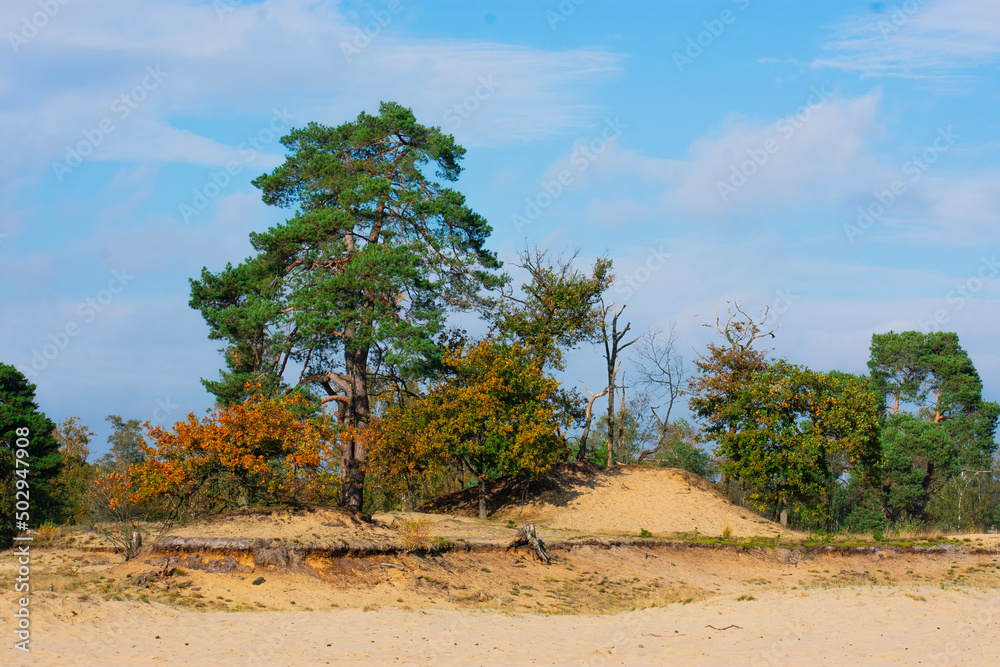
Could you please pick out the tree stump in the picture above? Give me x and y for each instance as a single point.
(527, 537)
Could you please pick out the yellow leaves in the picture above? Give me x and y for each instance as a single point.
(492, 413)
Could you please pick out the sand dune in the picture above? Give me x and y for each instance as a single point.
(621, 501)
(632, 498)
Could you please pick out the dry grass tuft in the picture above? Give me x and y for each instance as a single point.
(47, 534)
(416, 534)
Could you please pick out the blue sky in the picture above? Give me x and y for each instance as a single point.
(835, 161)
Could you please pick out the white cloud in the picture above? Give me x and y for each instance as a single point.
(617, 213)
(816, 155)
(918, 39)
(822, 156)
(960, 210)
(258, 57)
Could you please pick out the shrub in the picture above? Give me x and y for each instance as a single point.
(416, 534)
(47, 533)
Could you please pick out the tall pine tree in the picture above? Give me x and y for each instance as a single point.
(19, 416)
(359, 277)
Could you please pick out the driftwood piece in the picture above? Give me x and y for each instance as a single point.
(527, 537)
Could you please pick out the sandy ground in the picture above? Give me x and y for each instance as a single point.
(592, 605)
(869, 626)
(604, 601)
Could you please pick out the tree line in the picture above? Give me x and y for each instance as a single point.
(344, 383)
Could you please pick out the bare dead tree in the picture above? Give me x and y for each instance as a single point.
(661, 371)
(620, 426)
(582, 454)
(612, 348)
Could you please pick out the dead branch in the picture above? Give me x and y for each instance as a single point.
(580, 455)
(527, 537)
(740, 330)
(612, 347)
(662, 370)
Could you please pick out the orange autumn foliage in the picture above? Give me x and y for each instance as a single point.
(262, 451)
(115, 490)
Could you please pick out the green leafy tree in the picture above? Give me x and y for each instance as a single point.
(919, 457)
(678, 448)
(557, 309)
(125, 440)
(970, 501)
(793, 423)
(103, 500)
(492, 414)
(723, 373)
(75, 474)
(928, 370)
(898, 368)
(360, 275)
(20, 417)
(631, 431)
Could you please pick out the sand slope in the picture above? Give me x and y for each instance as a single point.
(623, 500)
(659, 500)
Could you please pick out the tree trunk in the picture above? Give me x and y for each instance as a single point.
(353, 462)
(783, 516)
(528, 537)
(482, 498)
(582, 454)
(411, 495)
(612, 346)
(611, 420)
(620, 430)
(919, 504)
